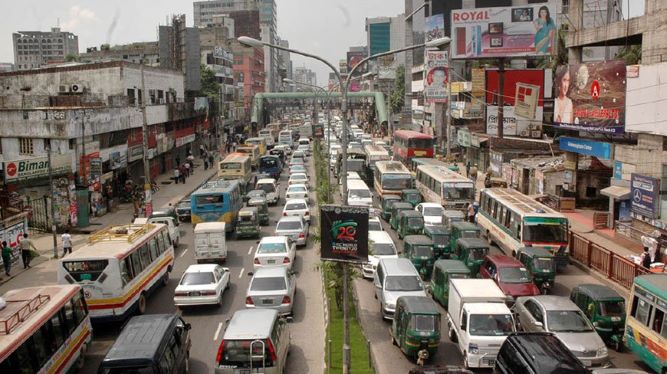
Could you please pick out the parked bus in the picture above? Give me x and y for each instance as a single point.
(645, 322)
(236, 166)
(260, 142)
(514, 220)
(271, 165)
(217, 201)
(252, 151)
(440, 185)
(409, 144)
(391, 177)
(119, 267)
(44, 329)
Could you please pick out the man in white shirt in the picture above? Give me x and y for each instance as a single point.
(67, 242)
(650, 242)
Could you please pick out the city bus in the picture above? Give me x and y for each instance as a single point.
(391, 177)
(438, 184)
(645, 322)
(44, 329)
(416, 161)
(260, 142)
(119, 267)
(409, 144)
(375, 153)
(252, 151)
(513, 220)
(236, 166)
(217, 201)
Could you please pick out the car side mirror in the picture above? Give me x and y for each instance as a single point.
(250, 273)
(188, 326)
(539, 324)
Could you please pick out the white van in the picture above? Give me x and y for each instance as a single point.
(358, 193)
(393, 278)
(285, 137)
(380, 245)
(174, 232)
(210, 242)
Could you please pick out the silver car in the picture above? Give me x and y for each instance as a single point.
(272, 287)
(559, 315)
(293, 227)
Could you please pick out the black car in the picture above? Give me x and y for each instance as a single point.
(183, 210)
(536, 353)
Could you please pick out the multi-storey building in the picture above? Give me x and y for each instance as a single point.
(248, 72)
(147, 52)
(179, 49)
(34, 49)
(305, 76)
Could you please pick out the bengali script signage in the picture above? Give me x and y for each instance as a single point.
(38, 167)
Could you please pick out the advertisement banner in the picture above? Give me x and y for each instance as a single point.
(135, 153)
(519, 31)
(600, 150)
(591, 97)
(435, 27)
(344, 232)
(512, 124)
(38, 167)
(437, 76)
(353, 58)
(525, 100)
(645, 192)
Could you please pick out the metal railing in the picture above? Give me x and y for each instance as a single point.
(616, 268)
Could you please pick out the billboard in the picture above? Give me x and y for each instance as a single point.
(514, 125)
(645, 194)
(435, 27)
(353, 58)
(519, 31)
(38, 167)
(344, 233)
(591, 97)
(601, 150)
(437, 76)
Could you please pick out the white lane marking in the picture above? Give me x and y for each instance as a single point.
(241, 272)
(250, 250)
(184, 252)
(217, 332)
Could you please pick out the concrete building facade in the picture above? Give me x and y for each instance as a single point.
(133, 52)
(34, 49)
(306, 76)
(248, 72)
(179, 50)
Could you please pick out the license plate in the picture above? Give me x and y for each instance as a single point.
(271, 261)
(267, 301)
(586, 363)
(491, 362)
(195, 293)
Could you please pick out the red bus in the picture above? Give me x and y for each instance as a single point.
(409, 144)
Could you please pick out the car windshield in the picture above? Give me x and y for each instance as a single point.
(268, 162)
(423, 250)
(266, 187)
(435, 211)
(415, 222)
(543, 264)
(268, 284)
(289, 225)
(298, 177)
(297, 189)
(257, 193)
(567, 321)
(477, 254)
(195, 279)
(382, 249)
(271, 248)
(297, 167)
(425, 323)
(612, 308)
(469, 234)
(360, 194)
(514, 275)
(403, 283)
(490, 324)
(374, 226)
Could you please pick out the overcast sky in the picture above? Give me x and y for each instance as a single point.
(322, 27)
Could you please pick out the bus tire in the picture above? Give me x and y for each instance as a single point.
(165, 279)
(141, 304)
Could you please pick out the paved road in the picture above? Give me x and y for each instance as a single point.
(389, 358)
(307, 330)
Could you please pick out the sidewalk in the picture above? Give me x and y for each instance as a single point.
(122, 214)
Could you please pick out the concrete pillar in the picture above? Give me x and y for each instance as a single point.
(571, 160)
(575, 16)
(654, 42)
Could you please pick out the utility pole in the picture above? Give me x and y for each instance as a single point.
(148, 207)
(448, 109)
(501, 97)
(83, 160)
(53, 203)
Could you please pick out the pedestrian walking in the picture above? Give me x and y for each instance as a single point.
(471, 213)
(7, 257)
(67, 242)
(646, 258)
(210, 160)
(26, 247)
(187, 169)
(177, 174)
(468, 169)
(178, 160)
(205, 163)
(202, 151)
(183, 174)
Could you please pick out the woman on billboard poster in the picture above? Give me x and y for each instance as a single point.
(563, 110)
(545, 30)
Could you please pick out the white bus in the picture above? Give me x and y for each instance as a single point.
(390, 178)
(358, 193)
(44, 329)
(119, 267)
(375, 153)
(514, 220)
(448, 188)
(285, 137)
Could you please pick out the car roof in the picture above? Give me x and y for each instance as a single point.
(270, 271)
(299, 174)
(418, 304)
(418, 239)
(551, 302)
(597, 291)
(410, 213)
(250, 324)
(451, 265)
(437, 229)
(273, 239)
(402, 204)
(472, 242)
(139, 340)
(266, 180)
(290, 218)
(536, 251)
(545, 353)
(398, 266)
(380, 237)
(296, 201)
(201, 268)
(297, 185)
(505, 261)
(430, 205)
(463, 225)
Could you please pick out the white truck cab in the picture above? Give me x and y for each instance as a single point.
(174, 232)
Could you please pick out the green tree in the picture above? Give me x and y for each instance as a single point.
(397, 97)
(71, 57)
(632, 54)
(209, 84)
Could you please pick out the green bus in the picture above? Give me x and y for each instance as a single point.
(645, 323)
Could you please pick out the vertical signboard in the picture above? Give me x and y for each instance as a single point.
(435, 27)
(644, 192)
(344, 232)
(353, 58)
(437, 76)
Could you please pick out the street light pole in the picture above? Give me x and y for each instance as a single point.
(53, 202)
(148, 203)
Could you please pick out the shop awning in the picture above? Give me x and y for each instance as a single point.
(617, 192)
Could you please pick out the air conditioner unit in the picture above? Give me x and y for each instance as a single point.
(76, 88)
(524, 133)
(63, 88)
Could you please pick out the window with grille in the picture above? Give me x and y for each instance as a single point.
(25, 146)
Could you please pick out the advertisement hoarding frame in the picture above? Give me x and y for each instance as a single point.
(344, 228)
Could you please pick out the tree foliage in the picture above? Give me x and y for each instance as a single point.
(209, 84)
(632, 54)
(397, 97)
(71, 57)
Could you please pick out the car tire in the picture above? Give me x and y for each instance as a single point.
(220, 299)
(165, 279)
(452, 335)
(141, 304)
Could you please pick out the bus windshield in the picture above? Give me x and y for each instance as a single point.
(230, 165)
(545, 230)
(396, 181)
(458, 193)
(209, 199)
(420, 143)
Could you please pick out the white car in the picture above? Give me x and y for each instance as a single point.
(432, 213)
(374, 224)
(297, 191)
(174, 232)
(201, 285)
(298, 178)
(270, 186)
(285, 148)
(296, 228)
(304, 148)
(275, 251)
(297, 207)
(299, 154)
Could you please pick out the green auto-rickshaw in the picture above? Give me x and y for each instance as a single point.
(605, 308)
(463, 230)
(415, 328)
(541, 265)
(262, 209)
(471, 251)
(419, 250)
(412, 196)
(451, 216)
(410, 222)
(396, 208)
(385, 205)
(247, 225)
(440, 236)
(443, 271)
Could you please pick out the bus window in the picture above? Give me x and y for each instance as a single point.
(659, 321)
(37, 344)
(145, 256)
(85, 270)
(161, 245)
(58, 328)
(137, 266)
(153, 249)
(80, 309)
(126, 271)
(641, 310)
